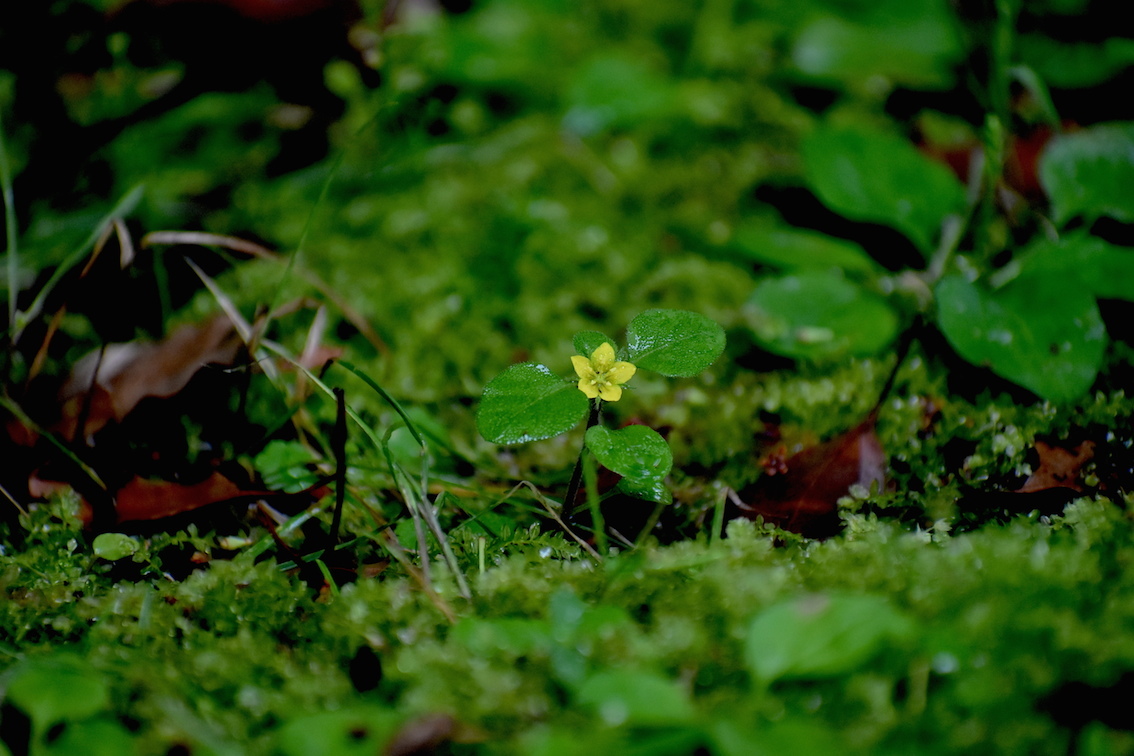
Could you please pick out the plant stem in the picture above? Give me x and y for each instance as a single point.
(577, 474)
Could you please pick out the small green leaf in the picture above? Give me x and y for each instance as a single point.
(284, 466)
(1037, 331)
(588, 341)
(634, 452)
(821, 635)
(674, 342)
(628, 697)
(881, 178)
(819, 315)
(1090, 172)
(794, 249)
(57, 688)
(114, 546)
(528, 402)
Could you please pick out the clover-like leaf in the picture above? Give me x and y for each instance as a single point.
(1037, 331)
(881, 178)
(1090, 173)
(528, 402)
(635, 452)
(674, 342)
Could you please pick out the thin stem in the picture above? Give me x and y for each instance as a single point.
(577, 474)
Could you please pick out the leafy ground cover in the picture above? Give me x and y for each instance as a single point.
(300, 353)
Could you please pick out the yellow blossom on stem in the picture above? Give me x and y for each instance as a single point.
(600, 377)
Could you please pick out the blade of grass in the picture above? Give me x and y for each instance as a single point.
(388, 399)
(16, 410)
(121, 208)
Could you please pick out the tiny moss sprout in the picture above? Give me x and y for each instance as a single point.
(529, 402)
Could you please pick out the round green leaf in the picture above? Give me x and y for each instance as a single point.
(528, 402)
(635, 452)
(821, 635)
(588, 341)
(674, 342)
(819, 315)
(1090, 173)
(793, 249)
(649, 490)
(881, 178)
(1037, 331)
(114, 546)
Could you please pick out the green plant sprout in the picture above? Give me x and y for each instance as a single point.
(529, 402)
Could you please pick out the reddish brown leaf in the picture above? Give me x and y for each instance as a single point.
(1058, 467)
(128, 373)
(802, 496)
(154, 499)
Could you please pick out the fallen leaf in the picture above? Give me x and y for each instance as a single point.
(106, 385)
(1059, 467)
(803, 494)
(143, 500)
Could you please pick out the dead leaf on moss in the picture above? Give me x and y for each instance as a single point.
(1059, 467)
(106, 385)
(803, 494)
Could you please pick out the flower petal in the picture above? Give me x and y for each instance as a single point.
(587, 386)
(609, 392)
(583, 367)
(621, 372)
(603, 357)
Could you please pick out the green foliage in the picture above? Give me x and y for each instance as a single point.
(286, 466)
(818, 314)
(528, 403)
(673, 342)
(1036, 331)
(1088, 173)
(821, 635)
(877, 177)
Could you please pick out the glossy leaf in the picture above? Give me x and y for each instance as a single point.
(1038, 332)
(586, 342)
(636, 452)
(674, 342)
(113, 546)
(817, 315)
(881, 178)
(821, 635)
(794, 249)
(528, 402)
(1089, 173)
(650, 490)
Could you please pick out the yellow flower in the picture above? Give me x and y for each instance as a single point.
(600, 376)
